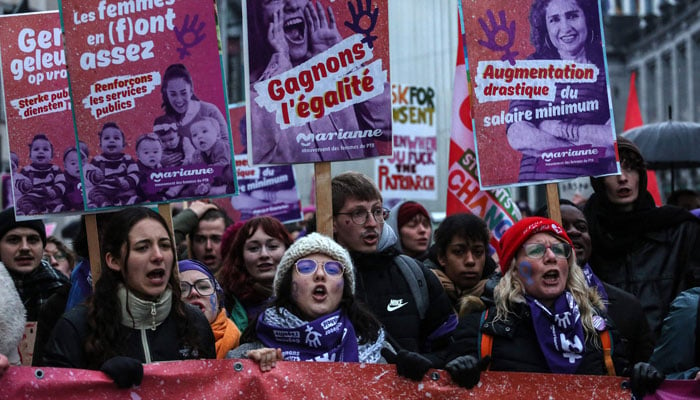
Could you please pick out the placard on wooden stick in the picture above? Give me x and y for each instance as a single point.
(324, 198)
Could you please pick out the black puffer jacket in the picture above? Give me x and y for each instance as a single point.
(382, 286)
(655, 269)
(516, 347)
(66, 346)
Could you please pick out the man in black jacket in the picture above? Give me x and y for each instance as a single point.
(651, 252)
(358, 225)
(43, 290)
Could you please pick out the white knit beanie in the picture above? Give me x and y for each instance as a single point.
(312, 244)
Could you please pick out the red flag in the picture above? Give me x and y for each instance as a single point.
(496, 207)
(633, 119)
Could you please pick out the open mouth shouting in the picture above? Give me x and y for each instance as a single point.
(320, 293)
(156, 277)
(295, 30)
(551, 277)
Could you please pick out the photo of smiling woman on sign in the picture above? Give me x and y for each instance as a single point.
(577, 119)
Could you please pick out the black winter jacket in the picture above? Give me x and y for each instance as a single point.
(66, 346)
(516, 347)
(656, 269)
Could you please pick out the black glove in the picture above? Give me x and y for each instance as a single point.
(408, 364)
(125, 371)
(466, 370)
(645, 379)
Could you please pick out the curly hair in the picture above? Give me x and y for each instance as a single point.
(465, 225)
(234, 276)
(539, 36)
(107, 336)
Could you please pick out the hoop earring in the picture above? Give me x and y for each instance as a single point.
(591, 36)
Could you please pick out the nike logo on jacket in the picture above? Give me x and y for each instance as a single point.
(395, 304)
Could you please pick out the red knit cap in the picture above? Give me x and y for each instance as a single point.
(517, 234)
(407, 211)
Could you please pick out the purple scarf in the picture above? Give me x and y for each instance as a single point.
(329, 338)
(594, 282)
(560, 334)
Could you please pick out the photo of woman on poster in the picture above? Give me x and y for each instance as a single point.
(180, 102)
(283, 36)
(566, 30)
(191, 132)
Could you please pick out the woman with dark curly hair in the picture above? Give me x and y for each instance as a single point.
(249, 266)
(566, 30)
(136, 314)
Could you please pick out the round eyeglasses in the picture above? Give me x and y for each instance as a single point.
(359, 216)
(202, 286)
(537, 250)
(307, 266)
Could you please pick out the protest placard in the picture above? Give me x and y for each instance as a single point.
(496, 207)
(317, 77)
(541, 108)
(149, 103)
(43, 155)
(263, 190)
(411, 172)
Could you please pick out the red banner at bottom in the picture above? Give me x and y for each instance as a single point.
(226, 379)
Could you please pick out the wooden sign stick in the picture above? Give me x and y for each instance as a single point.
(93, 239)
(324, 201)
(553, 202)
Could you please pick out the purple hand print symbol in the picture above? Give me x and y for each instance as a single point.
(495, 40)
(525, 269)
(357, 17)
(189, 35)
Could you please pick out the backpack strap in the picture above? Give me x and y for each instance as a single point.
(485, 344)
(606, 341)
(413, 274)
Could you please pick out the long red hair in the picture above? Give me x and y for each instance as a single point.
(233, 276)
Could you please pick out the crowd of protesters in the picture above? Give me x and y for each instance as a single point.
(616, 281)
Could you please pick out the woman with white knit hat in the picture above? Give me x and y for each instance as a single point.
(314, 316)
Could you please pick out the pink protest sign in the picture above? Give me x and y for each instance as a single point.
(263, 190)
(541, 107)
(149, 102)
(44, 162)
(318, 80)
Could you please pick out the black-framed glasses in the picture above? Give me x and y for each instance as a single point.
(359, 216)
(307, 266)
(537, 250)
(202, 286)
